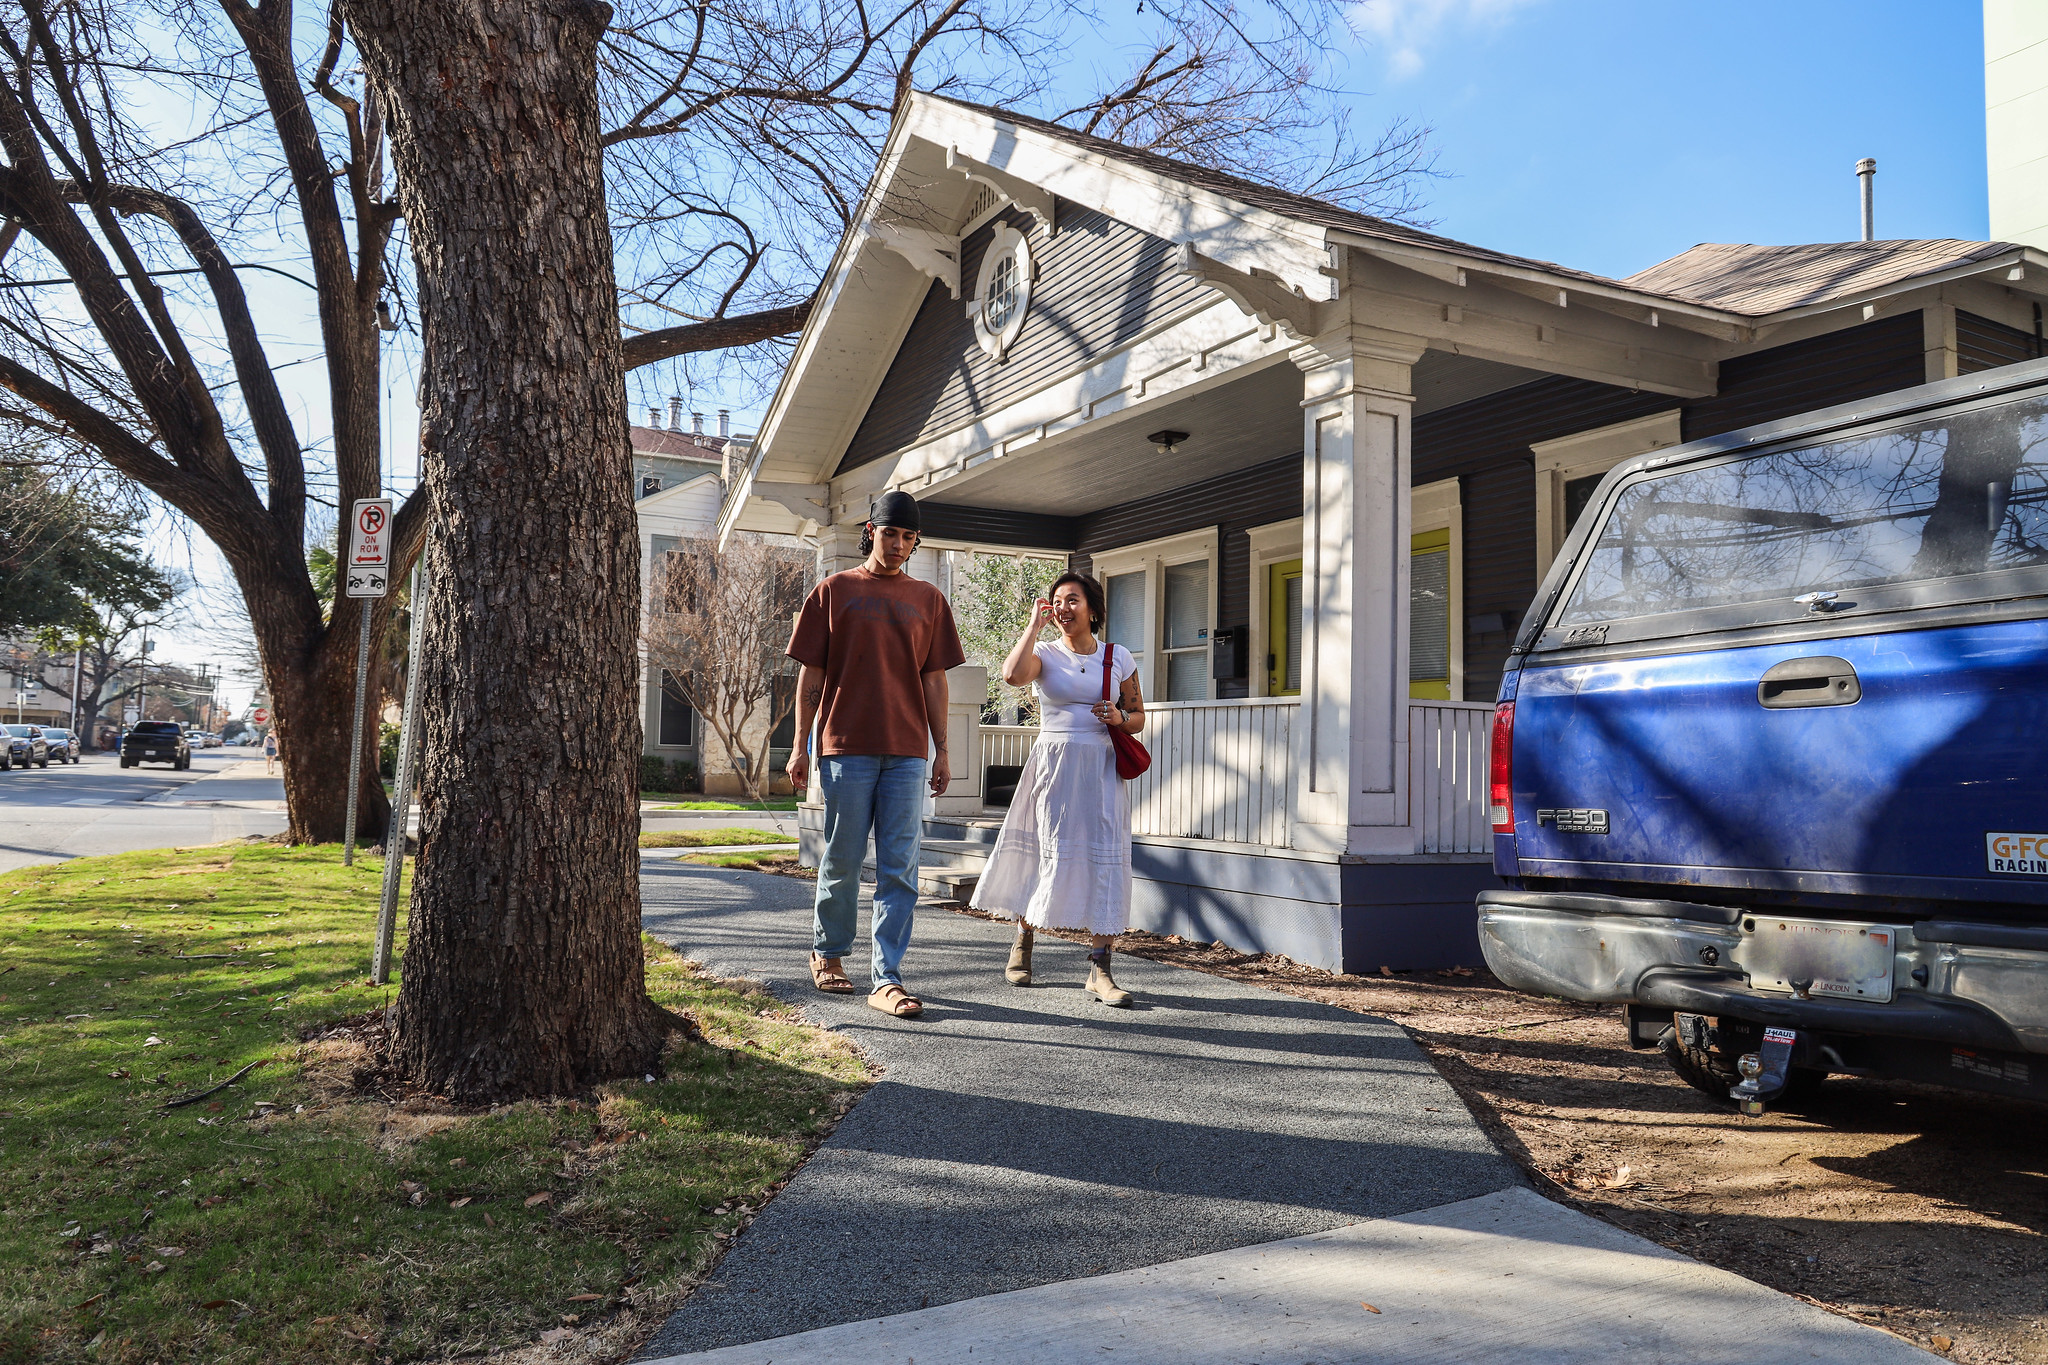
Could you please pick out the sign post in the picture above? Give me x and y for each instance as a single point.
(401, 796)
(367, 571)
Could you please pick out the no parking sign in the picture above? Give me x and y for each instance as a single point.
(368, 566)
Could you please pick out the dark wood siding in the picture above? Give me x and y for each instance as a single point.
(1485, 444)
(1233, 503)
(1839, 367)
(994, 526)
(1100, 284)
(1982, 344)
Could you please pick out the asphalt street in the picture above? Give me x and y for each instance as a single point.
(1023, 1137)
(50, 814)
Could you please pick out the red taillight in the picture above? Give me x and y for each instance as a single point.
(1503, 800)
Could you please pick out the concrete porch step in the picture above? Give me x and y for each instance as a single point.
(947, 867)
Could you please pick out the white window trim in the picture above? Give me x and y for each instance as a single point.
(1153, 557)
(1274, 543)
(1584, 453)
(1437, 507)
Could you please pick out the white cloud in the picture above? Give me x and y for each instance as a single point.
(1402, 31)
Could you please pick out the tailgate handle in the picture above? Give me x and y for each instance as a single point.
(1822, 680)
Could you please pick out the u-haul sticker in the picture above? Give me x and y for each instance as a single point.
(2026, 854)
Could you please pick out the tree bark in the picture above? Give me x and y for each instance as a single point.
(523, 972)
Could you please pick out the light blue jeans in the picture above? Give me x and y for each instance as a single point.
(882, 794)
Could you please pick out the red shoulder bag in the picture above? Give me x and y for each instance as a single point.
(1132, 758)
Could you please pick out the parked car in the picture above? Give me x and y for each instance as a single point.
(63, 745)
(26, 747)
(156, 741)
(1767, 758)
(212, 741)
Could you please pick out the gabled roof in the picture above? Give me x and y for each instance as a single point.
(1757, 280)
(1300, 207)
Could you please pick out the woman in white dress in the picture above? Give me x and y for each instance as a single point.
(1063, 858)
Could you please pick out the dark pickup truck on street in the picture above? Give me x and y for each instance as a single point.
(1768, 763)
(156, 741)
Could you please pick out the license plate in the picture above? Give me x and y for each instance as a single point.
(1821, 957)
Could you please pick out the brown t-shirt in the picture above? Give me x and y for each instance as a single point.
(875, 636)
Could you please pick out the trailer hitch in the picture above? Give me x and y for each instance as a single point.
(1765, 1071)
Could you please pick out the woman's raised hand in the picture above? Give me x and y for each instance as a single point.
(1041, 615)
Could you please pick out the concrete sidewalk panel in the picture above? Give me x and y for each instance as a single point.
(1508, 1278)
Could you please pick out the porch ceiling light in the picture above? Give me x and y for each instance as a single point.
(1165, 441)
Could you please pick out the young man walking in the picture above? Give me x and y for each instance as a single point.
(875, 645)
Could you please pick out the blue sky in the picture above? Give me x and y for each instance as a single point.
(1610, 134)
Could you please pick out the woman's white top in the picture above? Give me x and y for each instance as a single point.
(1070, 684)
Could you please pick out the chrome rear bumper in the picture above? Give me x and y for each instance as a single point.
(1976, 984)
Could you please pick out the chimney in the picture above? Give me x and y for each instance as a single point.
(654, 418)
(696, 424)
(724, 423)
(1866, 171)
(675, 414)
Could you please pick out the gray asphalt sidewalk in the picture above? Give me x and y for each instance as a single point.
(1024, 1137)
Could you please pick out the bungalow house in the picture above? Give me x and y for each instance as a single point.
(1319, 460)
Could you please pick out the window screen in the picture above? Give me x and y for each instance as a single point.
(1127, 610)
(678, 721)
(1429, 616)
(1577, 493)
(1187, 604)
(1963, 495)
(1293, 674)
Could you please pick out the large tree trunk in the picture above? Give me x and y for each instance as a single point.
(523, 972)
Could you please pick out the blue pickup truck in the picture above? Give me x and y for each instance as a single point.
(1770, 759)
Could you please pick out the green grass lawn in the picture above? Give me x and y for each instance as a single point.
(680, 801)
(711, 838)
(289, 1218)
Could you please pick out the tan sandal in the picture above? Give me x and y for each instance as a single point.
(891, 998)
(828, 976)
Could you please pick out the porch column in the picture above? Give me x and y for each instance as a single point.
(1352, 747)
(839, 548)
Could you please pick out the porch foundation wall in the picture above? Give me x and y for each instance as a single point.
(1348, 916)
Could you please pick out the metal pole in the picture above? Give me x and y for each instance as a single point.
(77, 682)
(1866, 172)
(401, 796)
(355, 748)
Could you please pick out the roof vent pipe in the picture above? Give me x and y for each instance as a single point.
(1866, 171)
(654, 418)
(724, 422)
(675, 414)
(696, 424)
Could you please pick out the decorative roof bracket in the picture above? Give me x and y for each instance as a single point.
(1269, 301)
(1035, 200)
(934, 253)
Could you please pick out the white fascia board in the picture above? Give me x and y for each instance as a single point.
(2030, 259)
(1452, 268)
(1239, 235)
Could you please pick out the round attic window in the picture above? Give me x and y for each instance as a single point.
(1003, 294)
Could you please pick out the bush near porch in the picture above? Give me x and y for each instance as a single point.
(289, 1217)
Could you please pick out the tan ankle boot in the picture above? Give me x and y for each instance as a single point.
(1105, 989)
(1018, 972)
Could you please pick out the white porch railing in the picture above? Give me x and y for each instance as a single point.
(1220, 770)
(1224, 770)
(1448, 776)
(1004, 746)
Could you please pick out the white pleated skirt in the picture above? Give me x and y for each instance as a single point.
(1063, 857)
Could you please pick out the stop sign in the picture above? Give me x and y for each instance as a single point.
(260, 715)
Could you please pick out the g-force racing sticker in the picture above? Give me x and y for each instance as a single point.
(2025, 854)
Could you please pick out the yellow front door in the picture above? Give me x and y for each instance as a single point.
(1429, 616)
(1283, 629)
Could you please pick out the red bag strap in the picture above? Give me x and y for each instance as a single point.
(1108, 661)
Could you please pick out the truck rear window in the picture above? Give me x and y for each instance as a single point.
(1967, 494)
